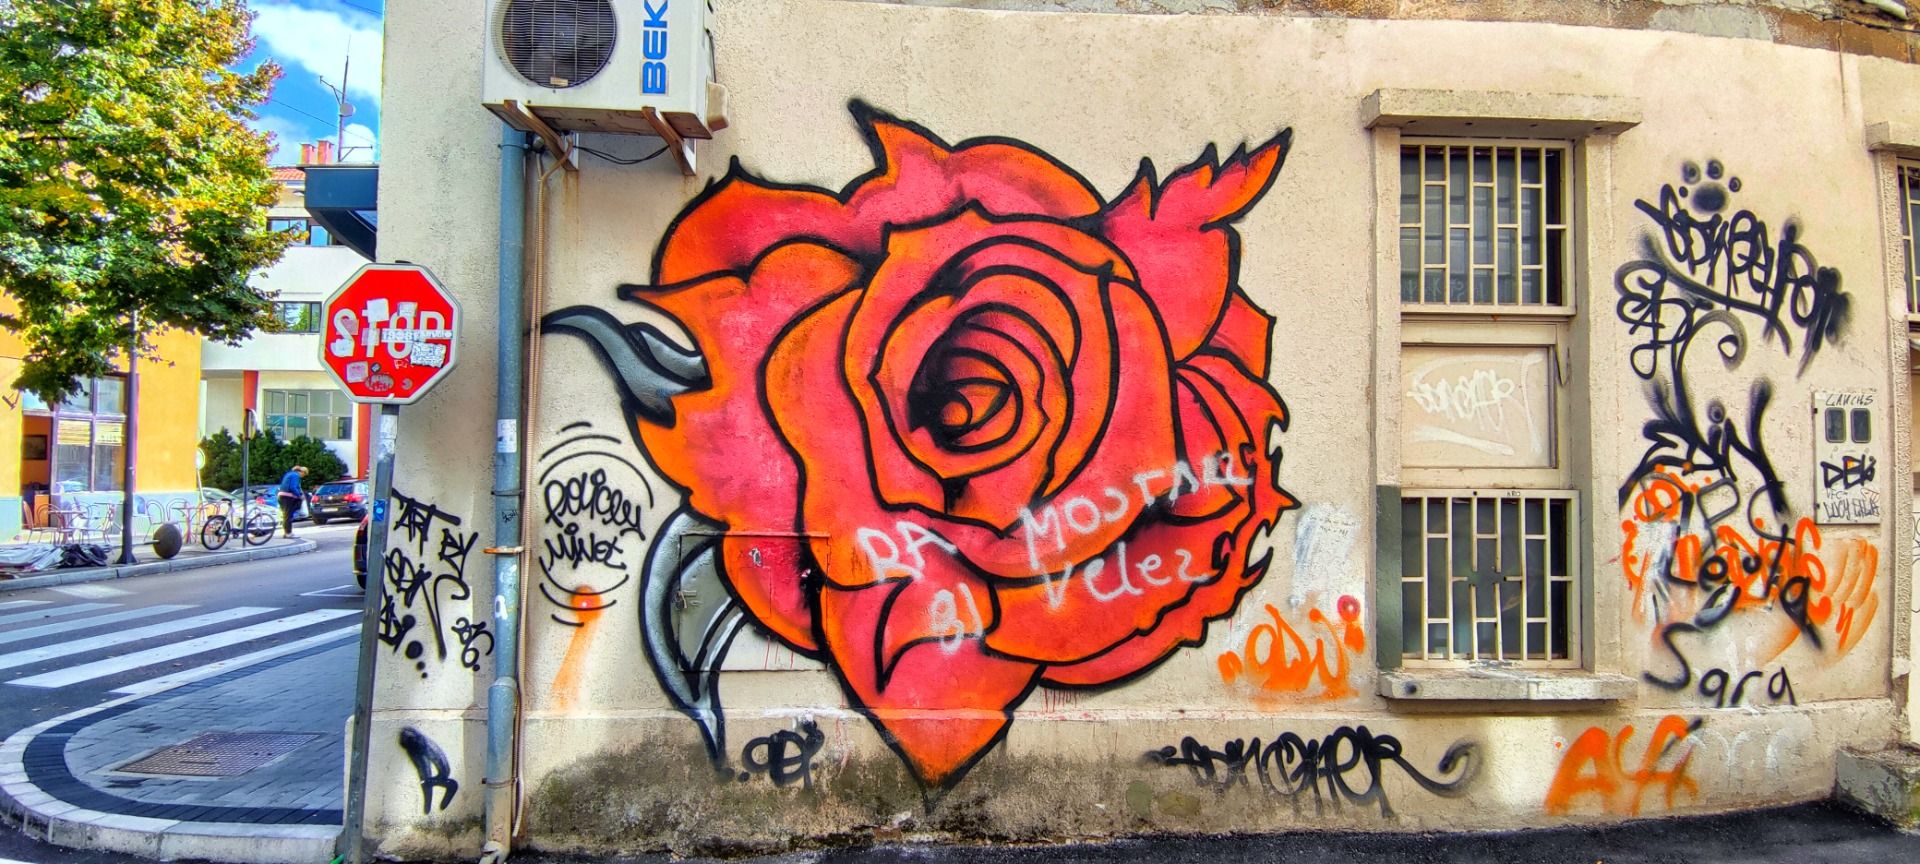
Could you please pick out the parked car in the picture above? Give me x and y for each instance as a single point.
(360, 554)
(267, 495)
(341, 499)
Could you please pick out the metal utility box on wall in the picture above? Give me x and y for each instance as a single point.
(1846, 488)
(640, 67)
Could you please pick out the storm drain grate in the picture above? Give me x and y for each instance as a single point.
(219, 754)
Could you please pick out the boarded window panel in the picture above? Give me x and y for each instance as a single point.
(1476, 407)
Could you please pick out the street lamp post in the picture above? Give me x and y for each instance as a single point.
(341, 107)
(131, 443)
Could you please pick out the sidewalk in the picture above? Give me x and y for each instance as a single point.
(66, 779)
(192, 556)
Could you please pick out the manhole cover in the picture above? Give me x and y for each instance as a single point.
(219, 754)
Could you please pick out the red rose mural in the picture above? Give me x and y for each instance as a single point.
(961, 429)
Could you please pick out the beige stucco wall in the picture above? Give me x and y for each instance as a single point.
(607, 759)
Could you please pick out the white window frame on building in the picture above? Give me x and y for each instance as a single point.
(1483, 579)
(1894, 141)
(298, 404)
(297, 316)
(1907, 187)
(1482, 589)
(305, 232)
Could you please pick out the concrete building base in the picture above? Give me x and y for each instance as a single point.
(1884, 783)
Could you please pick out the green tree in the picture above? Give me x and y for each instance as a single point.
(268, 459)
(222, 467)
(131, 189)
(323, 465)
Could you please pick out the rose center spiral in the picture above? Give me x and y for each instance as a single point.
(964, 396)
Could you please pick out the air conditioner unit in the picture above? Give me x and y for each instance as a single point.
(640, 67)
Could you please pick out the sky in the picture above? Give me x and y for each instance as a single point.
(311, 39)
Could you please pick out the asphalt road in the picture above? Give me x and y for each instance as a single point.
(313, 593)
(285, 586)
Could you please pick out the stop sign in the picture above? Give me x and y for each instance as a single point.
(392, 332)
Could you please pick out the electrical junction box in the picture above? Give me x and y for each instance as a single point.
(639, 67)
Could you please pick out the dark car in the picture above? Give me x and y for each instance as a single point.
(360, 554)
(341, 499)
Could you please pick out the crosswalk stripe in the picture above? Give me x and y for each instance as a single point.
(231, 663)
(164, 653)
(78, 646)
(55, 612)
(11, 604)
(86, 623)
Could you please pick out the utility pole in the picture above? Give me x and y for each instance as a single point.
(342, 109)
(130, 442)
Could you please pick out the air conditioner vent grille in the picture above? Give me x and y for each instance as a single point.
(557, 43)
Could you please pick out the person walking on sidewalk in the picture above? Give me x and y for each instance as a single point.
(290, 496)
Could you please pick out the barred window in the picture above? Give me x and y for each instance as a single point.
(1483, 224)
(1490, 575)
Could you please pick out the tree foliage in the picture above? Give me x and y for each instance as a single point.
(130, 187)
(268, 458)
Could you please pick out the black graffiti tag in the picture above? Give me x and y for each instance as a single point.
(784, 756)
(1293, 767)
(418, 581)
(1851, 472)
(588, 494)
(596, 506)
(430, 763)
(1709, 272)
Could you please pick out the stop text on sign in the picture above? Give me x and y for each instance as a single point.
(405, 332)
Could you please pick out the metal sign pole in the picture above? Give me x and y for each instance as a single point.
(354, 834)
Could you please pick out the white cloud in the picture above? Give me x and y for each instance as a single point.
(362, 145)
(288, 135)
(314, 42)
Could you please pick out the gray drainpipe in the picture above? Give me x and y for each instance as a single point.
(503, 696)
(1896, 8)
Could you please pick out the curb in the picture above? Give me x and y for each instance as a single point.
(103, 574)
(44, 817)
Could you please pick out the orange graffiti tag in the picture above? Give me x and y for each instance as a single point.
(1594, 765)
(587, 605)
(1760, 564)
(1850, 599)
(1276, 658)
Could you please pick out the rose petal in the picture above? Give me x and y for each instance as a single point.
(815, 415)
(942, 705)
(1244, 332)
(1205, 439)
(737, 220)
(1050, 273)
(722, 449)
(1070, 617)
(983, 332)
(922, 178)
(1178, 237)
(1236, 399)
(917, 178)
(768, 575)
(1137, 439)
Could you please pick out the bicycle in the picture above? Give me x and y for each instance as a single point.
(254, 529)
